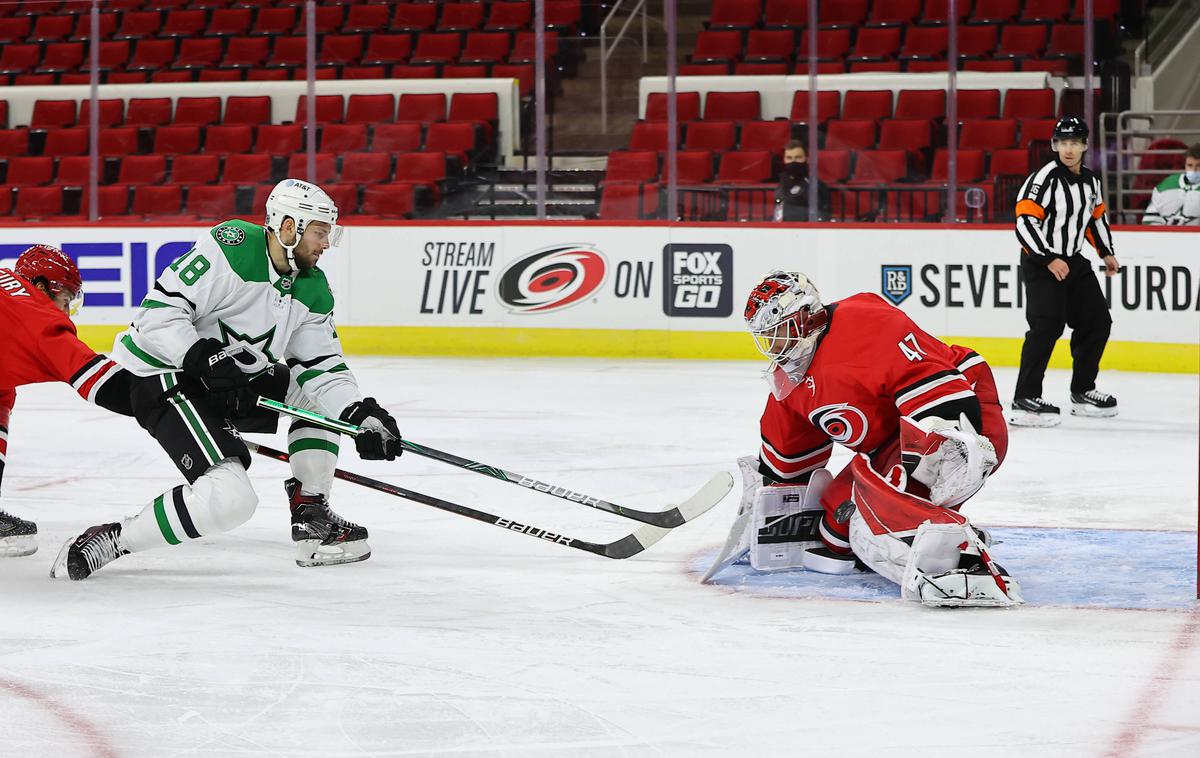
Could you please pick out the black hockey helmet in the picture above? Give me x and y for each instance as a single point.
(1071, 127)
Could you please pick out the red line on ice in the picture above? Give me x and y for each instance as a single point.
(84, 729)
(1155, 693)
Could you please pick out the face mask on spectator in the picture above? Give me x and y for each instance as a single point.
(1193, 177)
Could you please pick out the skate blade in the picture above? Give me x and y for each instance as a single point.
(1092, 411)
(1042, 420)
(16, 547)
(312, 553)
(58, 569)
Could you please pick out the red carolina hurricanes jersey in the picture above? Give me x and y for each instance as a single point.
(40, 343)
(871, 367)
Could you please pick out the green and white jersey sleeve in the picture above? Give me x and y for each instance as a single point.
(226, 287)
(1175, 202)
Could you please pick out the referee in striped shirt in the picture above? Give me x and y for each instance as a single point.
(1059, 207)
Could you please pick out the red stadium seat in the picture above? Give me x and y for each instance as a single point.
(195, 169)
(424, 71)
(694, 167)
(487, 47)
(687, 106)
(228, 138)
(388, 48)
(717, 136)
(454, 139)
(61, 56)
(367, 168)
(119, 140)
(564, 15)
(760, 69)
(289, 52)
(38, 202)
(770, 45)
(765, 135)
(1100, 9)
(996, 11)
(152, 54)
(66, 142)
(785, 14)
(277, 139)
(199, 53)
(735, 14)
(1046, 10)
(1036, 129)
(388, 200)
(894, 12)
(925, 43)
(111, 113)
(905, 134)
(627, 166)
(857, 134)
(476, 107)
(704, 69)
(162, 76)
(74, 171)
(344, 196)
(197, 111)
(1056, 66)
(968, 166)
(370, 109)
(733, 106)
(868, 104)
(522, 72)
(992, 134)
(112, 201)
(1010, 162)
(177, 140)
(877, 43)
(628, 201)
(510, 16)
(414, 17)
(340, 49)
(251, 110)
(1022, 40)
(978, 104)
(212, 200)
(745, 167)
(229, 22)
(397, 138)
(880, 166)
(650, 135)
(14, 142)
(1004, 64)
(30, 170)
(461, 17)
(142, 169)
(424, 108)
(364, 72)
(366, 19)
(443, 47)
(139, 25)
(829, 105)
(325, 165)
(1066, 40)
(843, 13)
(247, 169)
(977, 41)
(153, 201)
(329, 109)
(345, 138)
(52, 114)
(1028, 103)
(185, 23)
(832, 44)
(723, 46)
(422, 168)
(329, 19)
(922, 104)
(15, 29)
(270, 74)
(246, 52)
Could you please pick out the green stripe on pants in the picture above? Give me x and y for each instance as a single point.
(160, 514)
(311, 443)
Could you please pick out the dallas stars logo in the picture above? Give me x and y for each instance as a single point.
(252, 353)
(229, 235)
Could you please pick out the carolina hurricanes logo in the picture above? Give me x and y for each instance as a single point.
(551, 279)
(843, 423)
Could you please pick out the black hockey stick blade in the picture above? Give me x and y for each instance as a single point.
(701, 502)
(625, 547)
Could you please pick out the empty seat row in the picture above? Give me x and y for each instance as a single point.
(277, 52)
(794, 14)
(859, 104)
(1054, 66)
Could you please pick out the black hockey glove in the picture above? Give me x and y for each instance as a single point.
(220, 376)
(379, 438)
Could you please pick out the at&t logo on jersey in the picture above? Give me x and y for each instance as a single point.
(897, 283)
(551, 279)
(844, 423)
(698, 280)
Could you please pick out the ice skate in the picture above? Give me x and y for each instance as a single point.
(87, 553)
(1093, 403)
(322, 537)
(17, 536)
(1033, 411)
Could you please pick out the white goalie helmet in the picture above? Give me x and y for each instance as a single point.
(785, 315)
(305, 202)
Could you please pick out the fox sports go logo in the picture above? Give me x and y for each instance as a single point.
(844, 423)
(551, 279)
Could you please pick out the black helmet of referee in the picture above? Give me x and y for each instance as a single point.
(1071, 128)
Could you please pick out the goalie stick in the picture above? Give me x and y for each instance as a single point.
(668, 519)
(625, 547)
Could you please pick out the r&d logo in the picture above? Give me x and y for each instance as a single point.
(699, 280)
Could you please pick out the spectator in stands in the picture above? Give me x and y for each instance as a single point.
(1176, 200)
(791, 196)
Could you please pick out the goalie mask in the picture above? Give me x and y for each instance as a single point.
(305, 203)
(55, 270)
(786, 318)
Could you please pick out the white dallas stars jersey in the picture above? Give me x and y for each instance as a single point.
(226, 287)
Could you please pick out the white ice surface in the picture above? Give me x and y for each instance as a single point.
(457, 638)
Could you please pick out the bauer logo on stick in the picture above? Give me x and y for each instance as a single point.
(698, 280)
(551, 279)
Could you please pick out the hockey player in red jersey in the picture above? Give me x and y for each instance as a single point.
(37, 298)
(927, 429)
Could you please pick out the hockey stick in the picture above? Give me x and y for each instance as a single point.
(625, 547)
(668, 519)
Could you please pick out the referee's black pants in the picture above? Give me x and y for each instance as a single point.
(1051, 305)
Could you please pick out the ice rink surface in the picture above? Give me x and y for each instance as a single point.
(457, 638)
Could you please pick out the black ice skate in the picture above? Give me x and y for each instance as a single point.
(84, 555)
(17, 536)
(1033, 411)
(1093, 403)
(323, 538)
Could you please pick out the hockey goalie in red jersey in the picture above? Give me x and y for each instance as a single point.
(37, 298)
(926, 426)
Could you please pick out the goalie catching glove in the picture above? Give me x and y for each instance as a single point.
(948, 457)
(380, 437)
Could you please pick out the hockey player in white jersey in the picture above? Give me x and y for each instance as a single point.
(245, 313)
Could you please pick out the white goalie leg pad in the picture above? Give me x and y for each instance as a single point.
(952, 459)
(784, 523)
(885, 554)
(737, 543)
(933, 576)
